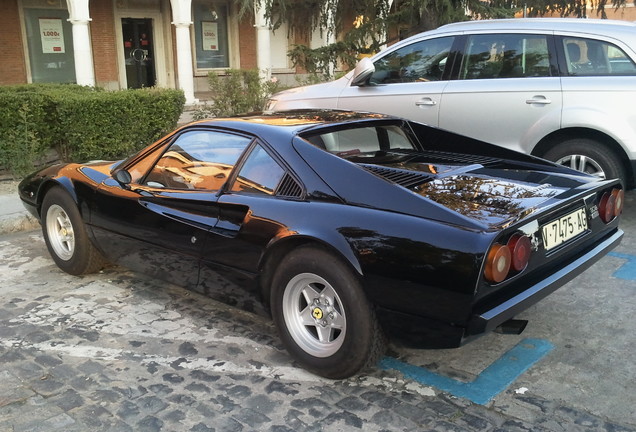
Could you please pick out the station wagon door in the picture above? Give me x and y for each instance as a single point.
(407, 82)
(508, 91)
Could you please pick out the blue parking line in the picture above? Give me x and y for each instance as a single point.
(627, 270)
(490, 382)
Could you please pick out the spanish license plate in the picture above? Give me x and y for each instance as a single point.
(563, 229)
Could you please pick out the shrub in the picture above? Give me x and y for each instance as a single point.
(23, 130)
(239, 91)
(80, 122)
(111, 125)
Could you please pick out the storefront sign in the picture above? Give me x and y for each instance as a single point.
(52, 35)
(210, 32)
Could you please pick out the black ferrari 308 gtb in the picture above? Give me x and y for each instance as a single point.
(346, 225)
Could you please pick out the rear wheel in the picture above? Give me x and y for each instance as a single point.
(589, 156)
(65, 235)
(323, 316)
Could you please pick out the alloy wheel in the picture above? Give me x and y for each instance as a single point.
(314, 315)
(582, 163)
(60, 232)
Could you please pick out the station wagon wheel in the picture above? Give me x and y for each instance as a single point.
(589, 156)
(65, 234)
(322, 314)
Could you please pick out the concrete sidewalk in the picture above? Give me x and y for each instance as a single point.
(13, 215)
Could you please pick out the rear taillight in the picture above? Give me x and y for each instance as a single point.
(520, 249)
(513, 257)
(619, 196)
(497, 263)
(611, 204)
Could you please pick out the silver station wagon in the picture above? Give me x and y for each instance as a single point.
(561, 89)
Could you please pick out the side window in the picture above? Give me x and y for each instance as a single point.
(491, 56)
(420, 61)
(197, 160)
(259, 174)
(587, 57)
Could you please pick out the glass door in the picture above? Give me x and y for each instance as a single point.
(139, 52)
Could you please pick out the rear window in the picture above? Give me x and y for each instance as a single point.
(369, 139)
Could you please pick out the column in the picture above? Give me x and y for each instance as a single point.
(182, 20)
(330, 38)
(82, 52)
(184, 62)
(263, 45)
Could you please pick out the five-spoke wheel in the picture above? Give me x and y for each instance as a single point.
(60, 232)
(65, 234)
(323, 315)
(314, 315)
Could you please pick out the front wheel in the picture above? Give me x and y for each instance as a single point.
(323, 316)
(65, 235)
(589, 156)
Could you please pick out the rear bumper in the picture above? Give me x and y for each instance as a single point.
(421, 332)
(490, 319)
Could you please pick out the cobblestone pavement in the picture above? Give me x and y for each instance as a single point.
(116, 351)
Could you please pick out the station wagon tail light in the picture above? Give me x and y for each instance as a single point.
(498, 263)
(520, 249)
(611, 204)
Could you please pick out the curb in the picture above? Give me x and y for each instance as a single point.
(13, 224)
(14, 217)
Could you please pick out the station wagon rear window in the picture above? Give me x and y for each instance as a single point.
(588, 57)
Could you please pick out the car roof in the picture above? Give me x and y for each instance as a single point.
(292, 122)
(541, 24)
(622, 30)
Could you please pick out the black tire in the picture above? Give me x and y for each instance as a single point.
(65, 235)
(599, 159)
(337, 309)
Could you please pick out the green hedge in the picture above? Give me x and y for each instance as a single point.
(81, 123)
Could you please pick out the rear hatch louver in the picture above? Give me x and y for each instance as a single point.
(404, 178)
(441, 157)
(428, 165)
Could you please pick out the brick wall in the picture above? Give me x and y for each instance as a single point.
(12, 65)
(103, 43)
(247, 43)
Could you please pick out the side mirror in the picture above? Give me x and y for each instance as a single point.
(123, 178)
(364, 69)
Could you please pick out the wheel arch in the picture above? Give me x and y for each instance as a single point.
(64, 182)
(277, 251)
(561, 135)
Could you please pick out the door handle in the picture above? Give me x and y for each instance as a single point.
(425, 102)
(539, 100)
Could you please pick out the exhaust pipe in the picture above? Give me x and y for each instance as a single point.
(512, 326)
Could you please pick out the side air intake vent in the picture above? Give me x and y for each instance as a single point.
(289, 188)
(405, 178)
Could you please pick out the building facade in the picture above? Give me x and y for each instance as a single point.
(118, 44)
